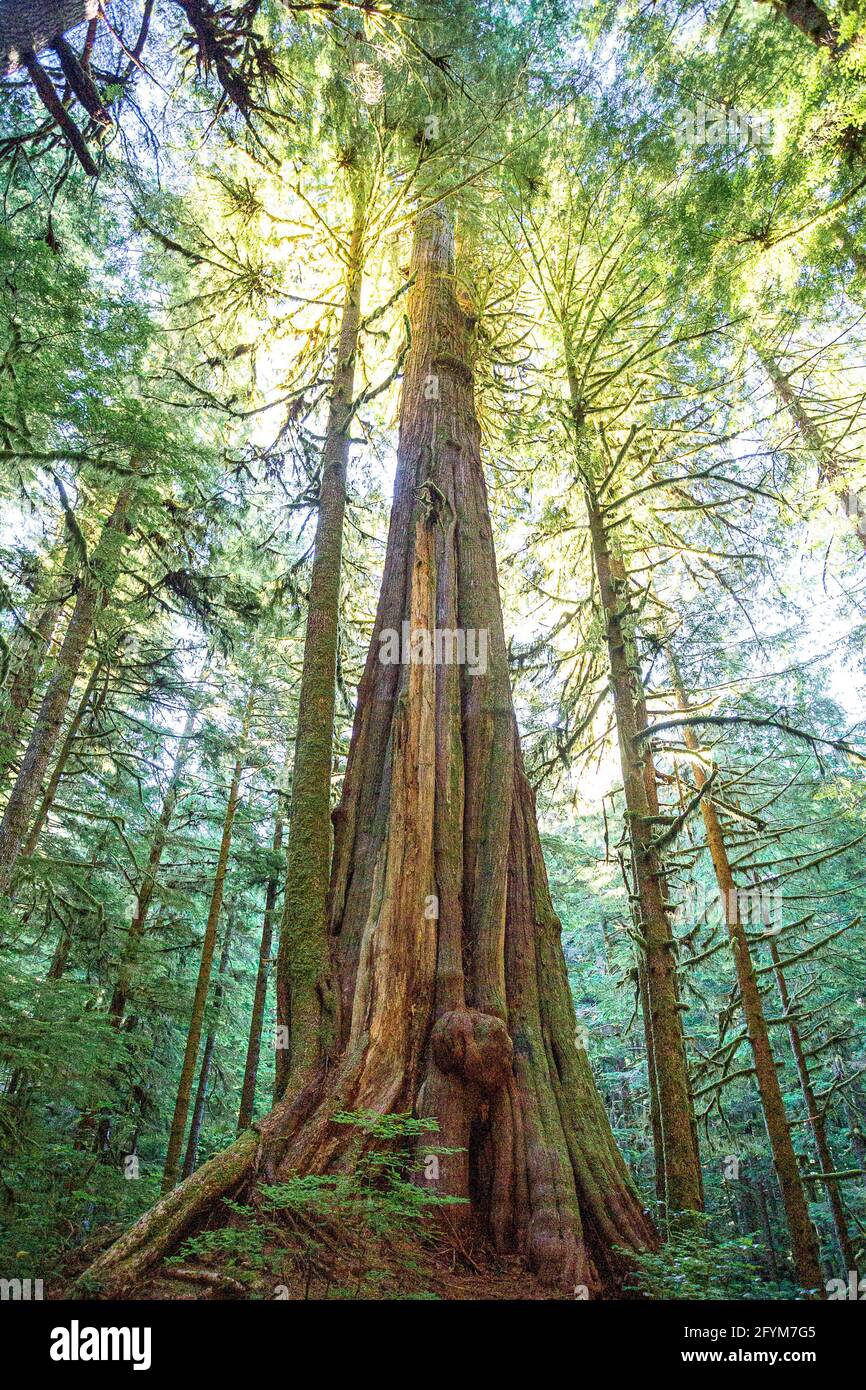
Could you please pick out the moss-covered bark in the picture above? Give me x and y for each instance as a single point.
(257, 1016)
(303, 962)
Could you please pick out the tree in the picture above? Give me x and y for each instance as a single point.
(171, 1171)
(803, 1241)
(435, 866)
(96, 586)
(302, 962)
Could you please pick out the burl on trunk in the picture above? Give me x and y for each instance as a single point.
(449, 992)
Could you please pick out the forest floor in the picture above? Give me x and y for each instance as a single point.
(508, 1283)
(407, 1269)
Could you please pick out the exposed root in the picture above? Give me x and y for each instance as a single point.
(159, 1231)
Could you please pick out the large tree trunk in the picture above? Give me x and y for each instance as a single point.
(29, 26)
(257, 1017)
(171, 1171)
(804, 1244)
(96, 584)
(666, 1047)
(810, 19)
(303, 960)
(452, 994)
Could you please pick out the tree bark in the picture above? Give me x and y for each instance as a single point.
(815, 1116)
(147, 888)
(804, 1244)
(251, 1066)
(60, 764)
(452, 993)
(144, 897)
(303, 990)
(29, 26)
(96, 584)
(191, 1159)
(681, 1156)
(811, 20)
(171, 1171)
(28, 670)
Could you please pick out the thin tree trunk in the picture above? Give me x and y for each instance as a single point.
(652, 1086)
(191, 1160)
(682, 1166)
(652, 796)
(251, 1066)
(60, 764)
(303, 992)
(821, 451)
(804, 1244)
(27, 671)
(816, 1118)
(96, 584)
(764, 1213)
(144, 898)
(171, 1171)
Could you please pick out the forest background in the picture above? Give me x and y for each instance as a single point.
(660, 248)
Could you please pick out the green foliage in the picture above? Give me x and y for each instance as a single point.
(695, 1263)
(373, 1212)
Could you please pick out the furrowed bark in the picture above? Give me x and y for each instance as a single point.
(810, 19)
(447, 955)
(171, 1171)
(804, 1243)
(96, 585)
(304, 1000)
(454, 994)
(29, 26)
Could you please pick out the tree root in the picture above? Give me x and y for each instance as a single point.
(157, 1232)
